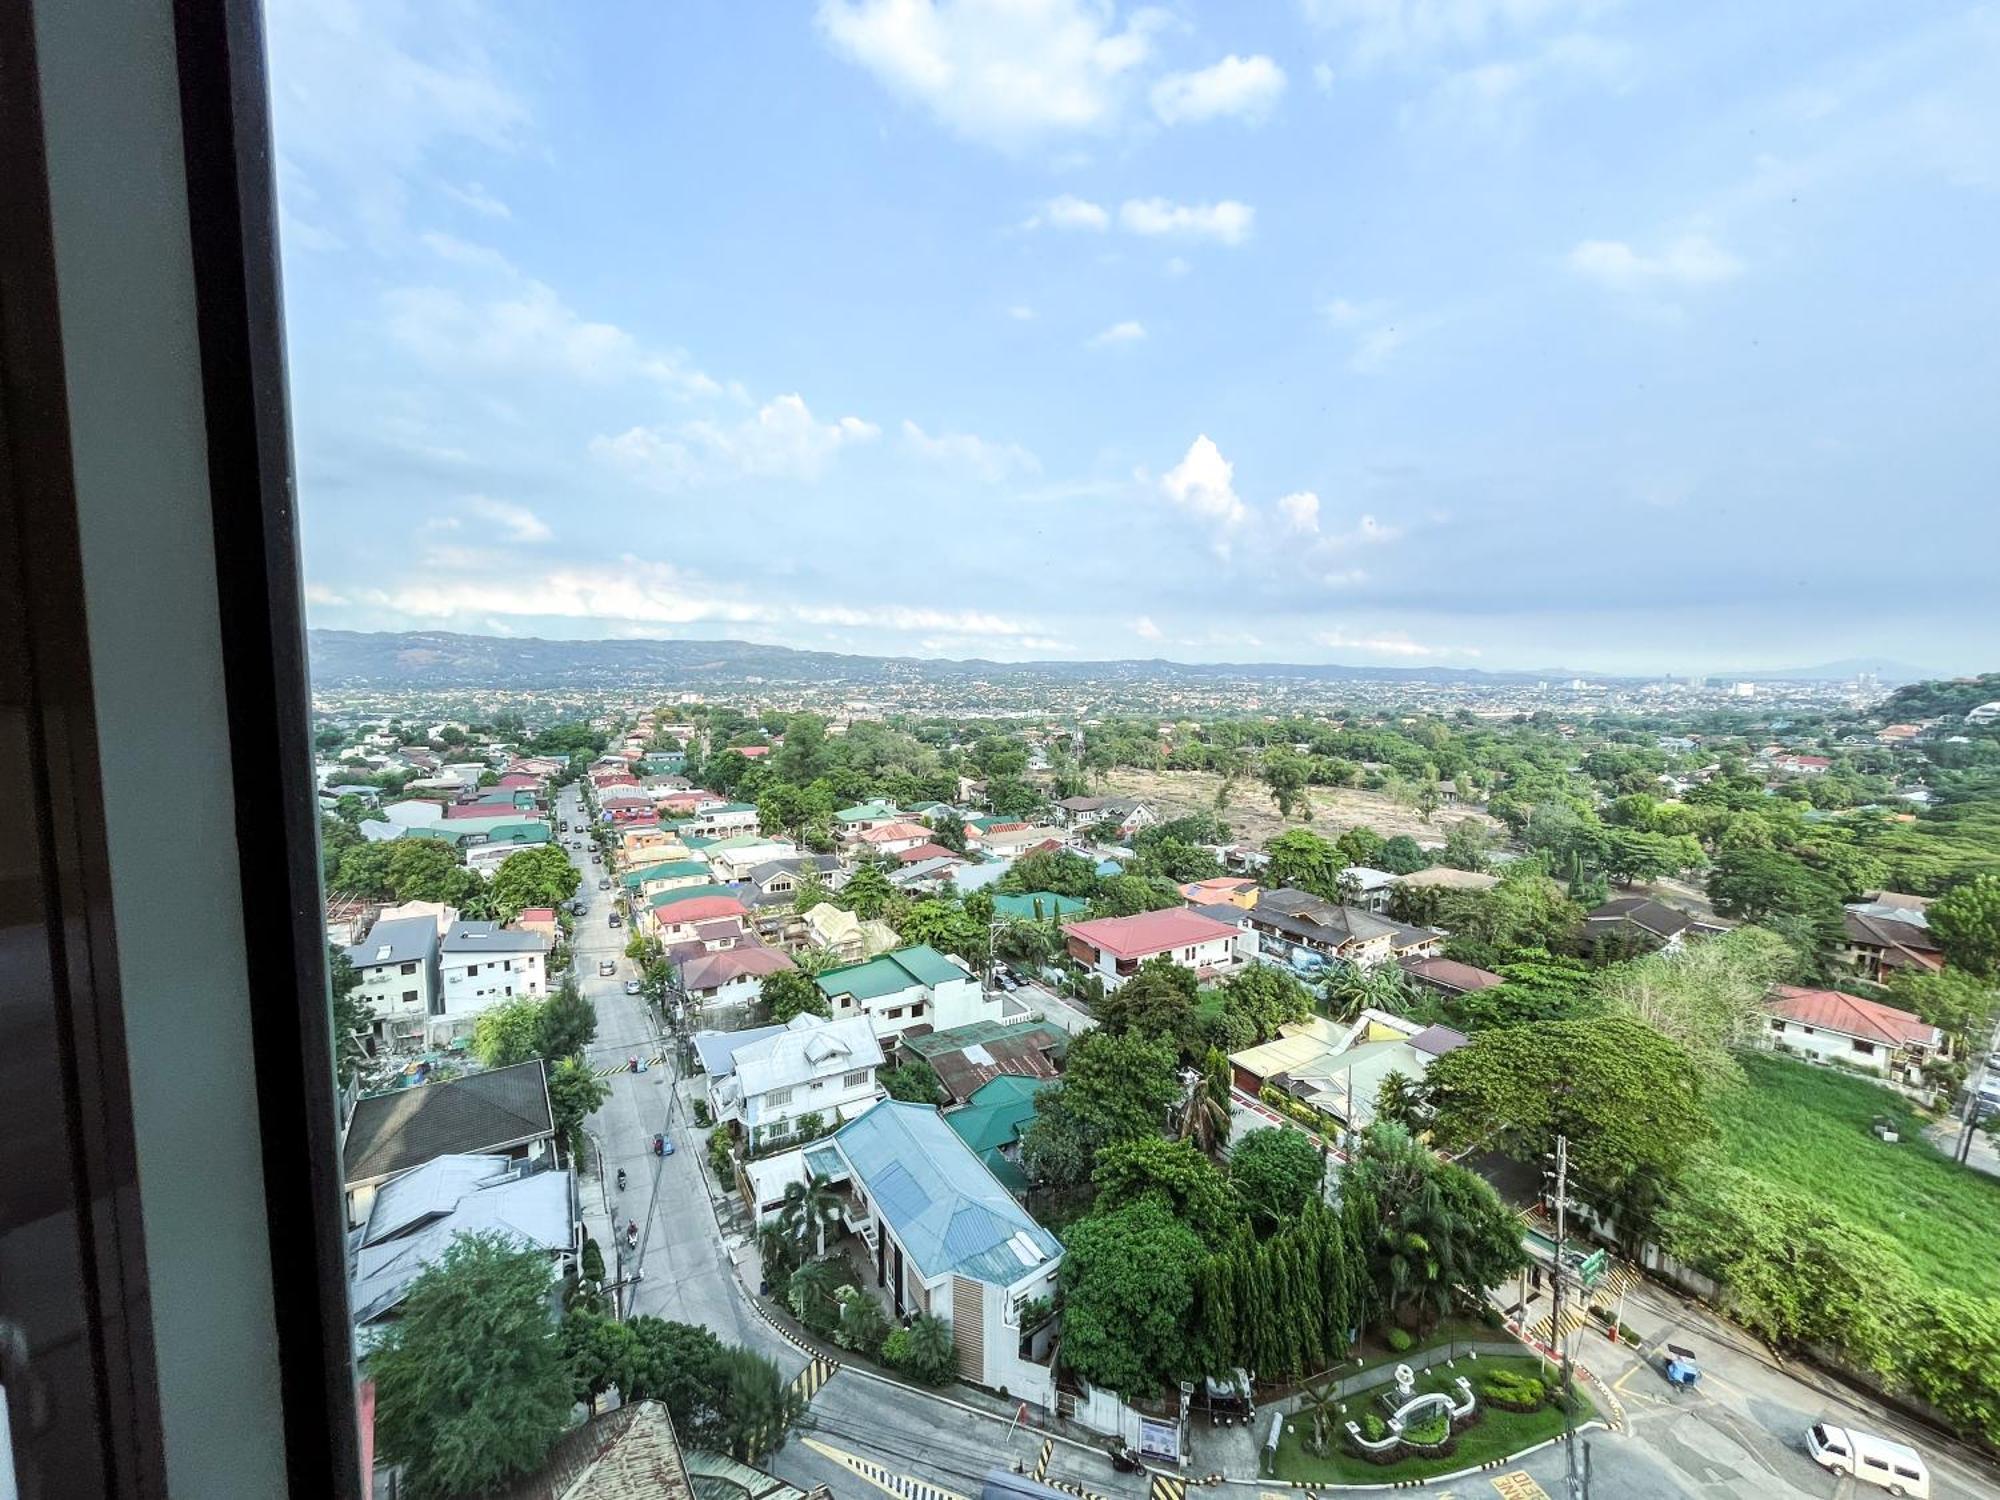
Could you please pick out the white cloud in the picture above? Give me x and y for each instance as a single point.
(1245, 88)
(1020, 312)
(1228, 221)
(1393, 643)
(1345, 314)
(1068, 212)
(1323, 78)
(1300, 511)
(1691, 260)
(782, 440)
(526, 329)
(320, 594)
(516, 522)
(1409, 30)
(1177, 266)
(970, 454)
(1127, 332)
(1144, 628)
(474, 197)
(1203, 484)
(1375, 348)
(1495, 101)
(1005, 73)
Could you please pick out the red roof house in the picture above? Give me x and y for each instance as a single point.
(1114, 947)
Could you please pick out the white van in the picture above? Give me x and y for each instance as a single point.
(1896, 1467)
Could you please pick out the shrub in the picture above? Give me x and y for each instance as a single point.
(1432, 1428)
(720, 1161)
(812, 1295)
(701, 1115)
(1373, 1427)
(1398, 1340)
(863, 1325)
(593, 1260)
(924, 1351)
(1512, 1391)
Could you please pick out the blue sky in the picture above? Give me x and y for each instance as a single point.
(1468, 332)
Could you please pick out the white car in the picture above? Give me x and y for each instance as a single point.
(1884, 1462)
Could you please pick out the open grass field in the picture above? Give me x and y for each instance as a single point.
(1807, 1128)
(1500, 1435)
(1254, 817)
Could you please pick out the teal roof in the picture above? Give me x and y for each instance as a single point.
(890, 973)
(1022, 908)
(975, 1032)
(745, 841)
(942, 1202)
(672, 869)
(693, 892)
(861, 812)
(997, 1112)
(491, 830)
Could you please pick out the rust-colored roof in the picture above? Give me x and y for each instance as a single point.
(1150, 932)
(1850, 1015)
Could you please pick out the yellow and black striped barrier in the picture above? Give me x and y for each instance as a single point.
(816, 1374)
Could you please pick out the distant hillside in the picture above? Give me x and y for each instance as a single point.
(1955, 696)
(441, 659)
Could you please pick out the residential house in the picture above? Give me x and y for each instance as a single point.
(1802, 765)
(503, 1112)
(732, 859)
(398, 968)
(1370, 889)
(721, 822)
(849, 939)
(683, 803)
(540, 920)
(1641, 923)
(1880, 944)
(965, 1058)
(675, 916)
(926, 852)
(471, 833)
(991, 1123)
(915, 986)
(414, 812)
(413, 1218)
(1445, 878)
(1007, 843)
(481, 965)
(1449, 977)
(1830, 1026)
(1113, 947)
(1340, 1070)
(1292, 924)
(780, 877)
(809, 1067)
(656, 879)
(731, 975)
(948, 1239)
(1223, 890)
(1036, 906)
(1072, 811)
(849, 823)
(928, 868)
(892, 837)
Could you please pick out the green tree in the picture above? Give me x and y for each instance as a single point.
(1062, 871)
(679, 1365)
(1285, 772)
(1275, 1171)
(1464, 846)
(1267, 997)
(1158, 1002)
(598, 1353)
(789, 993)
(363, 872)
(566, 1024)
(807, 1209)
(424, 869)
(1302, 860)
(925, 1351)
(575, 1093)
(1115, 1088)
(867, 891)
(1966, 920)
(1707, 996)
(914, 1082)
(1403, 855)
(1754, 884)
(1400, 1101)
(541, 876)
(470, 1386)
(1951, 999)
(353, 1020)
(1174, 1172)
(947, 927)
(1629, 1099)
(509, 1033)
(1128, 1280)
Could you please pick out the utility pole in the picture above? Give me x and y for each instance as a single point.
(1559, 1284)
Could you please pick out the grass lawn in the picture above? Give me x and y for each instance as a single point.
(1372, 1350)
(1807, 1128)
(1500, 1435)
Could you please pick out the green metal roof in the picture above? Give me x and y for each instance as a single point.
(891, 973)
(744, 841)
(492, 830)
(975, 1032)
(691, 893)
(671, 869)
(861, 812)
(1022, 907)
(998, 1112)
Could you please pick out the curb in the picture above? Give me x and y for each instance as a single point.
(1313, 1487)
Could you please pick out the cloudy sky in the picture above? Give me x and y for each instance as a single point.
(1471, 332)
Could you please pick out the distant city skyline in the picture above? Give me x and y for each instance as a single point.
(1556, 336)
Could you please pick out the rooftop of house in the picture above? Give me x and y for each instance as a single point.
(806, 1048)
(749, 841)
(793, 864)
(633, 1453)
(532, 1211)
(482, 1112)
(472, 938)
(1877, 931)
(891, 973)
(1645, 913)
(1449, 973)
(1302, 914)
(726, 965)
(889, 833)
(867, 812)
(1019, 1049)
(717, 1049)
(1443, 877)
(993, 1118)
(1850, 1015)
(951, 1215)
(1150, 932)
(666, 869)
(396, 940)
(1036, 906)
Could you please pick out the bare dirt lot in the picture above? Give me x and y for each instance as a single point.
(1253, 817)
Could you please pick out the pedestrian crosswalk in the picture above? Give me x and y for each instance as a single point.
(612, 1070)
(1167, 1487)
(889, 1483)
(816, 1374)
(1572, 1319)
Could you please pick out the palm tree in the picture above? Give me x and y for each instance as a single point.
(1321, 1407)
(759, 1405)
(1353, 989)
(1205, 1119)
(808, 1208)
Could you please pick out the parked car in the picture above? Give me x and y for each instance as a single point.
(1884, 1462)
(606, 967)
(615, 920)
(631, 986)
(604, 883)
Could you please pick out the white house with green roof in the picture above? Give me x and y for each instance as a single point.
(851, 822)
(735, 857)
(665, 875)
(910, 987)
(946, 1238)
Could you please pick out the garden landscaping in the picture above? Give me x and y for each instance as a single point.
(1517, 1409)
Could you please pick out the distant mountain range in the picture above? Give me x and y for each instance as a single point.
(443, 659)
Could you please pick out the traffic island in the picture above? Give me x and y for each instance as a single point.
(1503, 1407)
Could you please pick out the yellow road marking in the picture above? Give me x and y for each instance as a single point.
(899, 1485)
(1520, 1485)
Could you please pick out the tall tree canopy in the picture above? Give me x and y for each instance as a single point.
(1128, 1280)
(1114, 1088)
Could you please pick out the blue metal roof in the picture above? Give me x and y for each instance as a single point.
(948, 1210)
